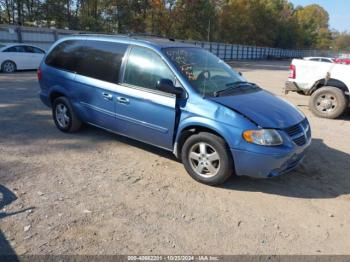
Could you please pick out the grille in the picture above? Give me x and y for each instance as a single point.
(297, 134)
(300, 141)
(294, 130)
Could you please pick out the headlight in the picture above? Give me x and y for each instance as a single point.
(264, 137)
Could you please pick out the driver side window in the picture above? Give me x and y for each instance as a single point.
(145, 68)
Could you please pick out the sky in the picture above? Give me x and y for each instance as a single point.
(339, 12)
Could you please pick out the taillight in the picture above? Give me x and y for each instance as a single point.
(292, 72)
(39, 74)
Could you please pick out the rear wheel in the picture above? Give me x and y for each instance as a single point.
(8, 67)
(328, 102)
(64, 116)
(207, 158)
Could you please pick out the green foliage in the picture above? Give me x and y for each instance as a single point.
(313, 23)
(274, 23)
(342, 41)
(252, 22)
(193, 18)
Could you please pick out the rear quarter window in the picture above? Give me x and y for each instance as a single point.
(65, 55)
(32, 49)
(97, 59)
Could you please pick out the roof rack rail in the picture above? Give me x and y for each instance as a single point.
(96, 34)
(126, 35)
(145, 34)
(150, 35)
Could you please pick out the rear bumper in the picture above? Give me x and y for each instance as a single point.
(258, 165)
(45, 99)
(291, 87)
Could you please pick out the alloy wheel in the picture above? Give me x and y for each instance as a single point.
(204, 160)
(62, 116)
(9, 67)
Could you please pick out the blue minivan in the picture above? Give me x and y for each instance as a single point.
(174, 96)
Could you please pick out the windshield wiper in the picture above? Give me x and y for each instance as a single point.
(234, 85)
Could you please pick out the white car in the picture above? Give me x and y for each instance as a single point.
(320, 59)
(15, 57)
(327, 84)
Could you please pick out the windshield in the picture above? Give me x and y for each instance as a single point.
(207, 73)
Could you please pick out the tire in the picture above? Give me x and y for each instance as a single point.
(328, 102)
(209, 171)
(64, 116)
(8, 67)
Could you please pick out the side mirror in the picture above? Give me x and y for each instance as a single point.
(167, 86)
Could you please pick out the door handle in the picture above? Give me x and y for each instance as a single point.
(107, 96)
(123, 100)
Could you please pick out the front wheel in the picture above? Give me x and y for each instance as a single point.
(207, 158)
(328, 102)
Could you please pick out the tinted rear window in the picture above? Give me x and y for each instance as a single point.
(65, 55)
(97, 59)
(101, 60)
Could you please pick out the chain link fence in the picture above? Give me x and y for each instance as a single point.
(45, 37)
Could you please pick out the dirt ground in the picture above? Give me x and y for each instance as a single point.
(98, 193)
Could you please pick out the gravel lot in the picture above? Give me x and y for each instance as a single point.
(98, 193)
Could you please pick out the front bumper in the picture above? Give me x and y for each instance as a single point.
(259, 165)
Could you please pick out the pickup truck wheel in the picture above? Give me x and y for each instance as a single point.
(64, 116)
(207, 158)
(328, 102)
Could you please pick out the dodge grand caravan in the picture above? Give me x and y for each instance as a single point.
(177, 97)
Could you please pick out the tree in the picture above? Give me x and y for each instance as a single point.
(192, 17)
(274, 23)
(342, 41)
(313, 21)
(158, 17)
(285, 26)
(89, 15)
(9, 11)
(54, 13)
(248, 22)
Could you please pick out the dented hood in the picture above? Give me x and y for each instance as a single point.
(263, 108)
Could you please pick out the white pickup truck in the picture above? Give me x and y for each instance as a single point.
(328, 84)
